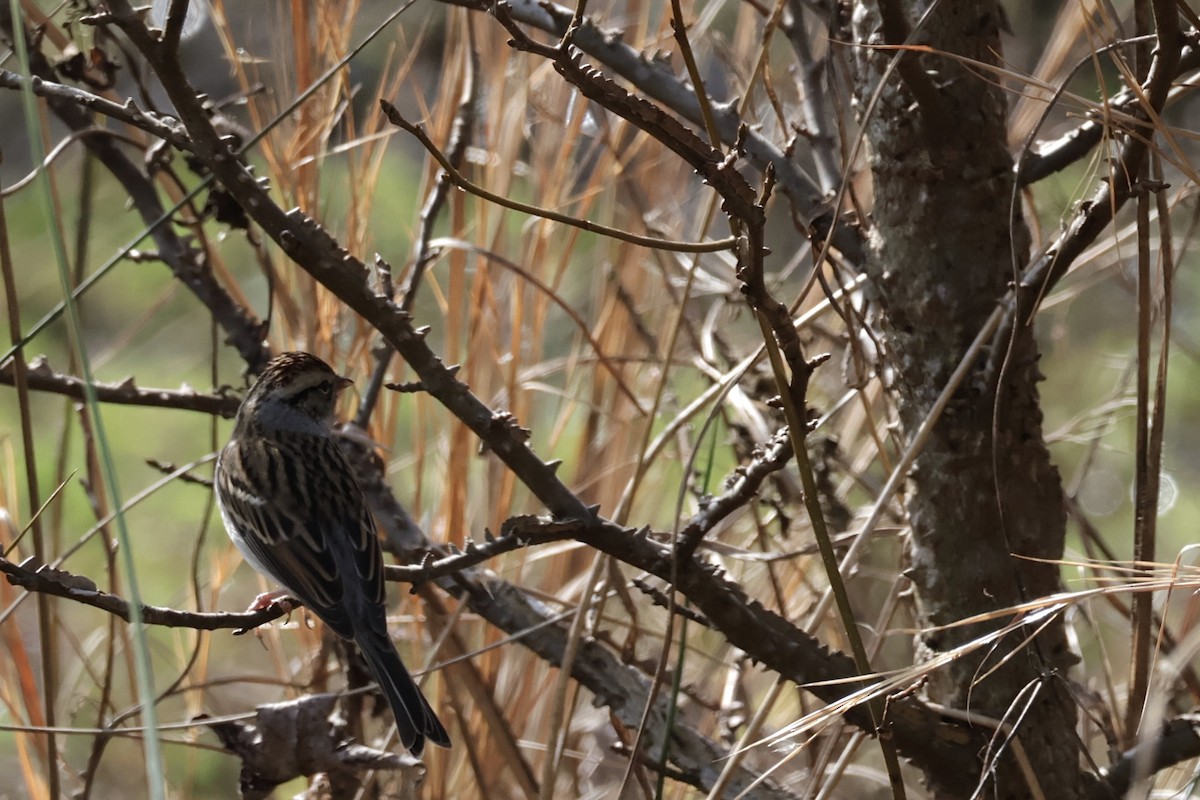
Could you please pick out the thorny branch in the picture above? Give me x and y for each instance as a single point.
(1052, 264)
(759, 632)
(43, 378)
(655, 77)
(1055, 155)
(741, 491)
(83, 590)
(157, 125)
(737, 197)
(186, 262)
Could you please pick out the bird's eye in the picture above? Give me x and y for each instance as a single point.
(325, 390)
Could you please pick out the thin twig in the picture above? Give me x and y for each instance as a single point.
(654, 77)
(394, 116)
(80, 589)
(43, 378)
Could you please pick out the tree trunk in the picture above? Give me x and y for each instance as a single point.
(983, 488)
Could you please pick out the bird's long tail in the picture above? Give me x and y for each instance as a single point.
(415, 718)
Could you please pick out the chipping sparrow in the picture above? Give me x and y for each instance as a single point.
(295, 511)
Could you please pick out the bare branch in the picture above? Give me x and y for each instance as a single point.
(43, 378)
(740, 492)
(1049, 157)
(394, 116)
(81, 589)
(658, 81)
(1178, 741)
(186, 263)
(157, 125)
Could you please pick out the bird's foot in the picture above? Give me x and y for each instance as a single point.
(280, 597)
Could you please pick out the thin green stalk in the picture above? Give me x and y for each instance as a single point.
(45, 618)
(677, 679)
(797, 431)
(144, 675)
(205, 182)
(672, 708)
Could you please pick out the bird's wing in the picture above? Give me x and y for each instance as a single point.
(302, 516)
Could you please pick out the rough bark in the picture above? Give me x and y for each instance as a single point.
(984, 488)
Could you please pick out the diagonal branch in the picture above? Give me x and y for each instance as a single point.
(1048, 268)
(656, 79)
(157, 125)
(761, 633)
(186, 263)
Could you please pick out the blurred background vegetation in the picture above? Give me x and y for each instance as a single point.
(526, 326)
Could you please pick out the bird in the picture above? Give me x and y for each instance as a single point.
(292, 506)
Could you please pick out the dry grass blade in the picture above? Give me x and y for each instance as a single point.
(599, 276)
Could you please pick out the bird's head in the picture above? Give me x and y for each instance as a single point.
(296, 391)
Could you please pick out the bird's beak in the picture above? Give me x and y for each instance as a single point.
(342, 383)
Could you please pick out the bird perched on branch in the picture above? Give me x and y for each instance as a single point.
(295, 511)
